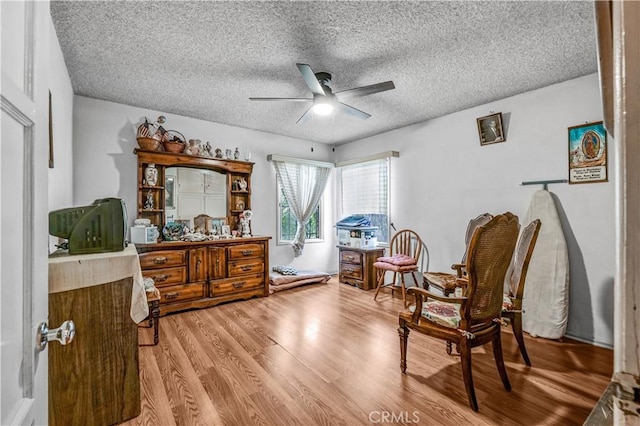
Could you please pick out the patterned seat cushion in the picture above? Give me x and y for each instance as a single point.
(285, 270)
(398, 259)
(396, 268)
(507, 303)
(443, 313)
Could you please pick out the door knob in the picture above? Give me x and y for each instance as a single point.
(63, 334)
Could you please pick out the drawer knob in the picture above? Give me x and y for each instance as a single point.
(349, 270)
(159, 260)
(238, 284)
(351, 258)
(247, 252)
(171, 296)
(246, 267)
(160, 278)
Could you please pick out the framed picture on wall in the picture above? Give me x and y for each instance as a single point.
(490, 129)
(588, 153)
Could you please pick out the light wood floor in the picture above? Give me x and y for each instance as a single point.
(329, 355)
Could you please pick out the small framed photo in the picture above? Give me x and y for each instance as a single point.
(490, 129)
(588, 153)
(226, 230)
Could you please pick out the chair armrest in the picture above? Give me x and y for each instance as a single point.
(460, 269)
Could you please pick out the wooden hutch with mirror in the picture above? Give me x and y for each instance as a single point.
(198, 274)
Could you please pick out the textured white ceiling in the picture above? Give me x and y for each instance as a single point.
(205, 59)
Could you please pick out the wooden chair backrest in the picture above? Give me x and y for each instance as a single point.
(483, 219)
(490, 252)
(522, 257)
(406, 242)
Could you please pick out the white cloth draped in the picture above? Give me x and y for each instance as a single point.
(546, 292)
(302, 185)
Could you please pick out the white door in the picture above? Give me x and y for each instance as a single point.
(23, 208)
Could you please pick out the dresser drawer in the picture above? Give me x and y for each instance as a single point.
(245, 267)
(348, 256)
(245, 251)
(167, 276)
(220, 287)
(178, 293)
(162, 259)
(351, 271)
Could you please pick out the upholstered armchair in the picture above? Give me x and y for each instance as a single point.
(474, 318)
(446, 281)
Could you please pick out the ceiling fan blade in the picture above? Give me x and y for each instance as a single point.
(353, 111)
(306, 116)
(282, 99)
(310, 78)
(365, 90)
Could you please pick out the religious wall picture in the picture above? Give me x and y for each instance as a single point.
(490, 129)
(588, 153)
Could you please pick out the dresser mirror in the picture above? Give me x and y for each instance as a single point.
(190, 192)
(188, 186)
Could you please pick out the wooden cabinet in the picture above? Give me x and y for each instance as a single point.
(94, 380)
(202, 274)
(356, 266)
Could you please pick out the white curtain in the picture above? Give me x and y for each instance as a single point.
(302, 186)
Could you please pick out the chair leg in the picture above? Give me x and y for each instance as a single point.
(465, 357)
(449, 347)
(380, 280)
(404, 290)
(497, 354)
(393, 282)
(516, 325)
(403, 332)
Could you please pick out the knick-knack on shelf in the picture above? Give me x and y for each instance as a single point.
(236, 154)
(151, 175)
(247, 154)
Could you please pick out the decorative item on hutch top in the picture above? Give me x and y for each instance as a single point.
(490, 129)
(588, 153)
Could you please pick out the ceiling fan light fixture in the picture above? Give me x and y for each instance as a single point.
(323, 108)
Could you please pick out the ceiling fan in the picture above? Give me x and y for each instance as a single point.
(324, 100)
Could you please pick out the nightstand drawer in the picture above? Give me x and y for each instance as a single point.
(221, 287)
(178, 293)
(351, 271)
(245, 267)
(246, 251)
(167, 276)
(162, 259)
(348, 256)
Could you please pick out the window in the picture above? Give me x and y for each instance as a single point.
(288, 225)
(365, 190)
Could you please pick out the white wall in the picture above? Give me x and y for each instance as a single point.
(105, 166)
(61, 175)
(444, 177)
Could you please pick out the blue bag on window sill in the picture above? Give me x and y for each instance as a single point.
(354, 220)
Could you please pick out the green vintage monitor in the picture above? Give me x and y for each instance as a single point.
(98, 228)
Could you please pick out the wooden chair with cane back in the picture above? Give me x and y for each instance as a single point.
(474, 318)
(446, 281)
(405, 250)
(512, 300)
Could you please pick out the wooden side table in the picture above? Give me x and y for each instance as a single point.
(356, 266)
